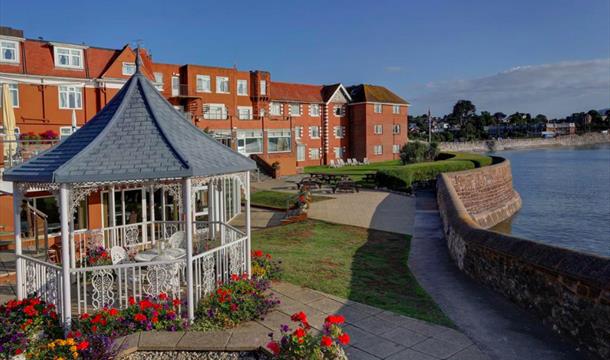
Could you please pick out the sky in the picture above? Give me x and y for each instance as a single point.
(536, 56)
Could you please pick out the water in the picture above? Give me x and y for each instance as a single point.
(566, 197)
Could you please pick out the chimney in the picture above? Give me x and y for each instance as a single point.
(8, 31)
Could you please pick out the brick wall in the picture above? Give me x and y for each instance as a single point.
(568, 290)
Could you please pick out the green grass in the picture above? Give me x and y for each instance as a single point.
(277, 199)
(363, 265)
(478, 159)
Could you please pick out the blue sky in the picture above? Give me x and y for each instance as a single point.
(547, 56)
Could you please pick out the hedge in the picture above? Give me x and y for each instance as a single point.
(477, 159)
(403, 177)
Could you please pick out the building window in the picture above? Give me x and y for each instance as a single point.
(339, 132)
(378, 149)
(159, 81)
(314, 154)
(298, 132)
(214, 112)
(275, 108)
(70, 97)
(129, 68)
(175, 85)
(339, 110)
(378, 108)
(244, 112)
(294, 109)
(71, 58)
(378, 129)
(65, 131)
(222, 84)
(242, 87)
(263, 85)
(9, 51)
(278, 141)
(339, 152)
(314, 110)
(396, 129)
(13, 90)
(203, 83)
(250, 142)
(314, 132)
(395, 109)
(395, 149)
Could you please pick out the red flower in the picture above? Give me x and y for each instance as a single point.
(176, 302)
(234, 277)
(132, 301)
(233, 307)
(30, 310)
(83, 345)
(84, 316)
(326, 341)
(163, 296)
(94, 328)
(97, 319)
(113, 312)
(344, 339)
(258, 253)
(335, 319)
(274, 347)
(18, 351)
(145, 304)
(154, 320)
(268, 256)
(299, 332)
(300, 316)
(139, 317)
(34, 301)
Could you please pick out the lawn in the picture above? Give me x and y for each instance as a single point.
(277, 199)
(363, 265)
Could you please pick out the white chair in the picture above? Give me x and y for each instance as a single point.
(332, 164)
(355, 162)
(118, 255)
(178, 240)
(131, 236)
(349, 162)
(365, 161)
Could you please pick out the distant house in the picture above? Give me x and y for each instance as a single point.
(561, 128)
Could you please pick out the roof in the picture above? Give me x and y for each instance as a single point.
(374, 93)
(138, 135)
(295, 92)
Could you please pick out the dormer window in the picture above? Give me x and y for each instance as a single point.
(69, 58)
(9, 51)
(129, 68)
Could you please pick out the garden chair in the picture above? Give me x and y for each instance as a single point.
(350, 162)
(118, 255)
(332, 164)
(131, 236)
(355, 162)
(178, 240)
(365, 161)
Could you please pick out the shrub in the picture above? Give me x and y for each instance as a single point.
(97, 256)
(403, 177)
(241, 299)
(264, 267)
(49, 135)
(417, 151)
(301, 344)
(25, 322)
(69, 348)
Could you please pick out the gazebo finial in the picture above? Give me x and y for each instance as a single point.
(139, 63)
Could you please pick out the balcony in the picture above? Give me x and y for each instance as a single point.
(15, 152)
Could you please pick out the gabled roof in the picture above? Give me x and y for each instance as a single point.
(137, 136)
(295, 92)
(330, 90)
(374, 93)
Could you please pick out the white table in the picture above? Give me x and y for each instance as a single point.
(148, 255)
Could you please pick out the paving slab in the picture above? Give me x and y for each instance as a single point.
(357, 354)
(194, 340)
(248, 336)
(438, 348)
(404, 337)
(378, 346)
(159, 340)
(375, 325)
(410, 354)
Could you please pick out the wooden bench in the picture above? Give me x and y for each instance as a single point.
(345, 185)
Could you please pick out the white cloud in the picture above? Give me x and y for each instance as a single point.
(554, 89)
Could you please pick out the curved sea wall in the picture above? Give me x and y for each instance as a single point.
(510, 144)
(567, 289)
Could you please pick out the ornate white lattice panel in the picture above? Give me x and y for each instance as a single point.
(102, 282)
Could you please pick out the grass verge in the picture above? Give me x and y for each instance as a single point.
(363, 265)
(277, 199)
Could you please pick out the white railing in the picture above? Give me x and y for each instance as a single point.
(113, 285)
(42, 279)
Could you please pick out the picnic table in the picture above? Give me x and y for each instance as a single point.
(370, 177)
(345, 185)
(309, 182)
(148, 255)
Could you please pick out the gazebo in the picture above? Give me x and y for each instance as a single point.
(176, 238)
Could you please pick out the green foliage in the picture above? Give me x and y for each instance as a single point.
(403, 178)
(417, 151)
(478, 159)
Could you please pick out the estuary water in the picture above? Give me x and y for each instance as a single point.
(566, 197)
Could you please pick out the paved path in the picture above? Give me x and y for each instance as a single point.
(497, 326)
(370, 209)
(375, 334)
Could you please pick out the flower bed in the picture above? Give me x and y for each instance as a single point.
(239, 300)
(264, 266)
(299, 343)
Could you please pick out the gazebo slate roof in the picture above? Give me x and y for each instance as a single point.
(138, 135)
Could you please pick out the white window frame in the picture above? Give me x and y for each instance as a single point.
(377, 149)
(241, 110)
(293, 106)
(314, 153)
(339, 132)
(220, 80)
(77, 91)
(158, 80)
(339, 152)
(311, 132)
(298, 132)
(72, 53)
(247, 134)
(15, 48)
(395, 149)
(396, 129)
(378, 129)
(378, 108)
(341, 111)
(395, 109)
(201, 80)
(314, 109)
(13, 89)
(263, 87)
(66, 131)
(126, 66)
(277, 106)
(215, 115)
(175, 85)
(279, 133)
(244, 87)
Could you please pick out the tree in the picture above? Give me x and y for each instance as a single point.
(518, 118)
(462, 110)
(499, 116)
(541, 119)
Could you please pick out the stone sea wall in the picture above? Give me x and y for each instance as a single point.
(510, 144)
(568, 290)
